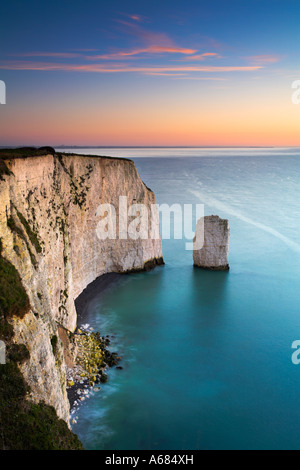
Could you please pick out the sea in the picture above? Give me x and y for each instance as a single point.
(208, 358)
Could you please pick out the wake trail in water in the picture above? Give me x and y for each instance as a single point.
(212, 202)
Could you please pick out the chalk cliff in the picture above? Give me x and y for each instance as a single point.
(48, 230)
(211, 243)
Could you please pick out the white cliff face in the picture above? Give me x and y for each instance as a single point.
(48, 227)
(212, 234)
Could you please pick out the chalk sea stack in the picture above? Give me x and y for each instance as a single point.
(211, 243)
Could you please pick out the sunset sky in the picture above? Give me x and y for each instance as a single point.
(150, 73)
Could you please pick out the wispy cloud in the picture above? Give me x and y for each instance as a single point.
(120, 68)
(138, 59)
(201, 57)
(155, 49)
(165, 74)
(135, 17)
(213, 79)
(263, 59)
(153, 41)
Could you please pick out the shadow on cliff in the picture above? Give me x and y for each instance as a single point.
(92, 293)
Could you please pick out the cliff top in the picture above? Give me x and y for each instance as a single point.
(26, 152)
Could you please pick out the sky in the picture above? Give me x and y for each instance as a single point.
(150, 73)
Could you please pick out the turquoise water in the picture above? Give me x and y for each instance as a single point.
(207, 355)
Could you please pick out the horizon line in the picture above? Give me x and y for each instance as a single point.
(149, 146)
(178, 146)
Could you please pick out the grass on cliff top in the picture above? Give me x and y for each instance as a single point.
(23, 152)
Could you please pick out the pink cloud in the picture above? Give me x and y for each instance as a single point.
(151, 43)
(210, 54)
(200, 57)
(113, 56)
(263, 59)
(165, 74)
(135, 17)
(147, 50)
(154, 41)
(143, 34)
(119, 68)
(217, 79)
(171, 49)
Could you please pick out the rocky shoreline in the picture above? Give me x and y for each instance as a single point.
(92, 361)
(90, 352)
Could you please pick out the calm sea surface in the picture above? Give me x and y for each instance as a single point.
(207, 355)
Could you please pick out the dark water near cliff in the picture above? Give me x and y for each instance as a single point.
(207, 356)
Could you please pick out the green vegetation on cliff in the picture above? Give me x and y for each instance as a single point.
(23, 425)
(31, 234)
(13, 297)
(3, 170)
(11, 223)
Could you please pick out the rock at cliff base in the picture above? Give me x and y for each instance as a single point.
(211, 243)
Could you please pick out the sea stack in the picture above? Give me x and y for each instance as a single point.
(211, 243)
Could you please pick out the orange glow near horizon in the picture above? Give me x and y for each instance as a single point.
(127, 127)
